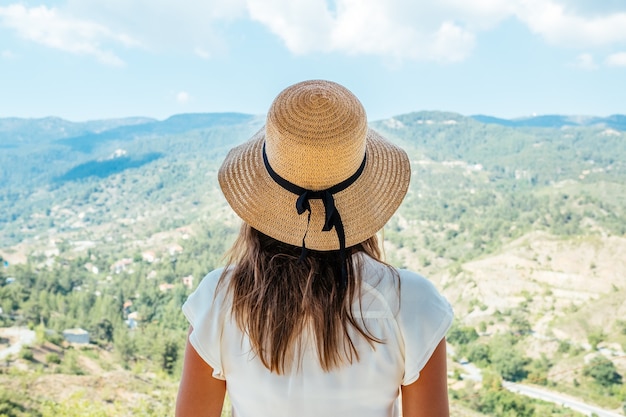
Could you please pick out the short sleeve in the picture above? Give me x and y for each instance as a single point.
(205, 313)
(424, 319)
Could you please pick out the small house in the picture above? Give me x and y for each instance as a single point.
(149, 256)
(77, 335)
(133, 320)
(121, 265)
(175, 249)
(188, 281)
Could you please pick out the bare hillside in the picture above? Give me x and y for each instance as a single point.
(564, 287)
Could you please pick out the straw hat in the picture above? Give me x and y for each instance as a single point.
(316, 139)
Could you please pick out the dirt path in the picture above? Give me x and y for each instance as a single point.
(18, 337)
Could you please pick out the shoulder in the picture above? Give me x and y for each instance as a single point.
(205, 294)
(424, 318)
(420, 298)
(415, 287)
(211, 280)
(403, 291)
(401, 284)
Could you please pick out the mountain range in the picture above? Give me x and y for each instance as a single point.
(516, 221)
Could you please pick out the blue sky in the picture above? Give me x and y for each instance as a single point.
(96, 59)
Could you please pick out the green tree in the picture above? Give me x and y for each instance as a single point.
(169, 356)
(603, 371)
(595, 337)
(538, 370)
(70, 364)
(507, 360)
(53, 358)
(27, 354)
(511, 366)
(12, 404)
(503, 403)
(520, 324)
(125, 346)
(461, 335)
(479, 353)
(103, 331)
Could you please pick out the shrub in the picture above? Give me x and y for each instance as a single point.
(603, 371)
(53, 358)
(27, 354)
(479, 354)
(461, 335)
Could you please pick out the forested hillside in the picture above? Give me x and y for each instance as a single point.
(107, 226)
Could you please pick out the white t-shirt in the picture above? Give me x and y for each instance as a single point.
(411, 325)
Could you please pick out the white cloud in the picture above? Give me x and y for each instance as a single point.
(375, 27)
(451, 43)
(165, 25)
(593, 7)
(443, 30)
(182, 97)
(7, 54)
(202, 53)
(304, 26)
(393, 28)
(586, 62)
(52, 28)
(560, 24)
(160, 12)
(616, 60)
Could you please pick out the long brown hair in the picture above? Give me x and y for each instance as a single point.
(277, 296)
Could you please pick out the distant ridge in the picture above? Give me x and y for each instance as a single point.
(176, 124)
(15, 131)
(83, 136)
(616, 121)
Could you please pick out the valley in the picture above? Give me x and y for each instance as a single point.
(521, 224)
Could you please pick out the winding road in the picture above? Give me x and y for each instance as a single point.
(557, 398)
(473, 373)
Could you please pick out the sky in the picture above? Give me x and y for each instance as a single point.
(99, 59)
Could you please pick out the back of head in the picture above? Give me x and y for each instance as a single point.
(315, 134)
(316, 138)
(314, 178)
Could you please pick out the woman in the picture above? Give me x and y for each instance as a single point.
(306, 319)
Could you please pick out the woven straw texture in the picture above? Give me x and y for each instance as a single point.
(316, 136)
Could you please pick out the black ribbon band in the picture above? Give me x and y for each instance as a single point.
(331, 218)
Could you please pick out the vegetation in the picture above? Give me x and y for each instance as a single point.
(603, 372)
(493, 400)
(71, 295)
(111, 218)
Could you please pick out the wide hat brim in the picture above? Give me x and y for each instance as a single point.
(365, 206)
